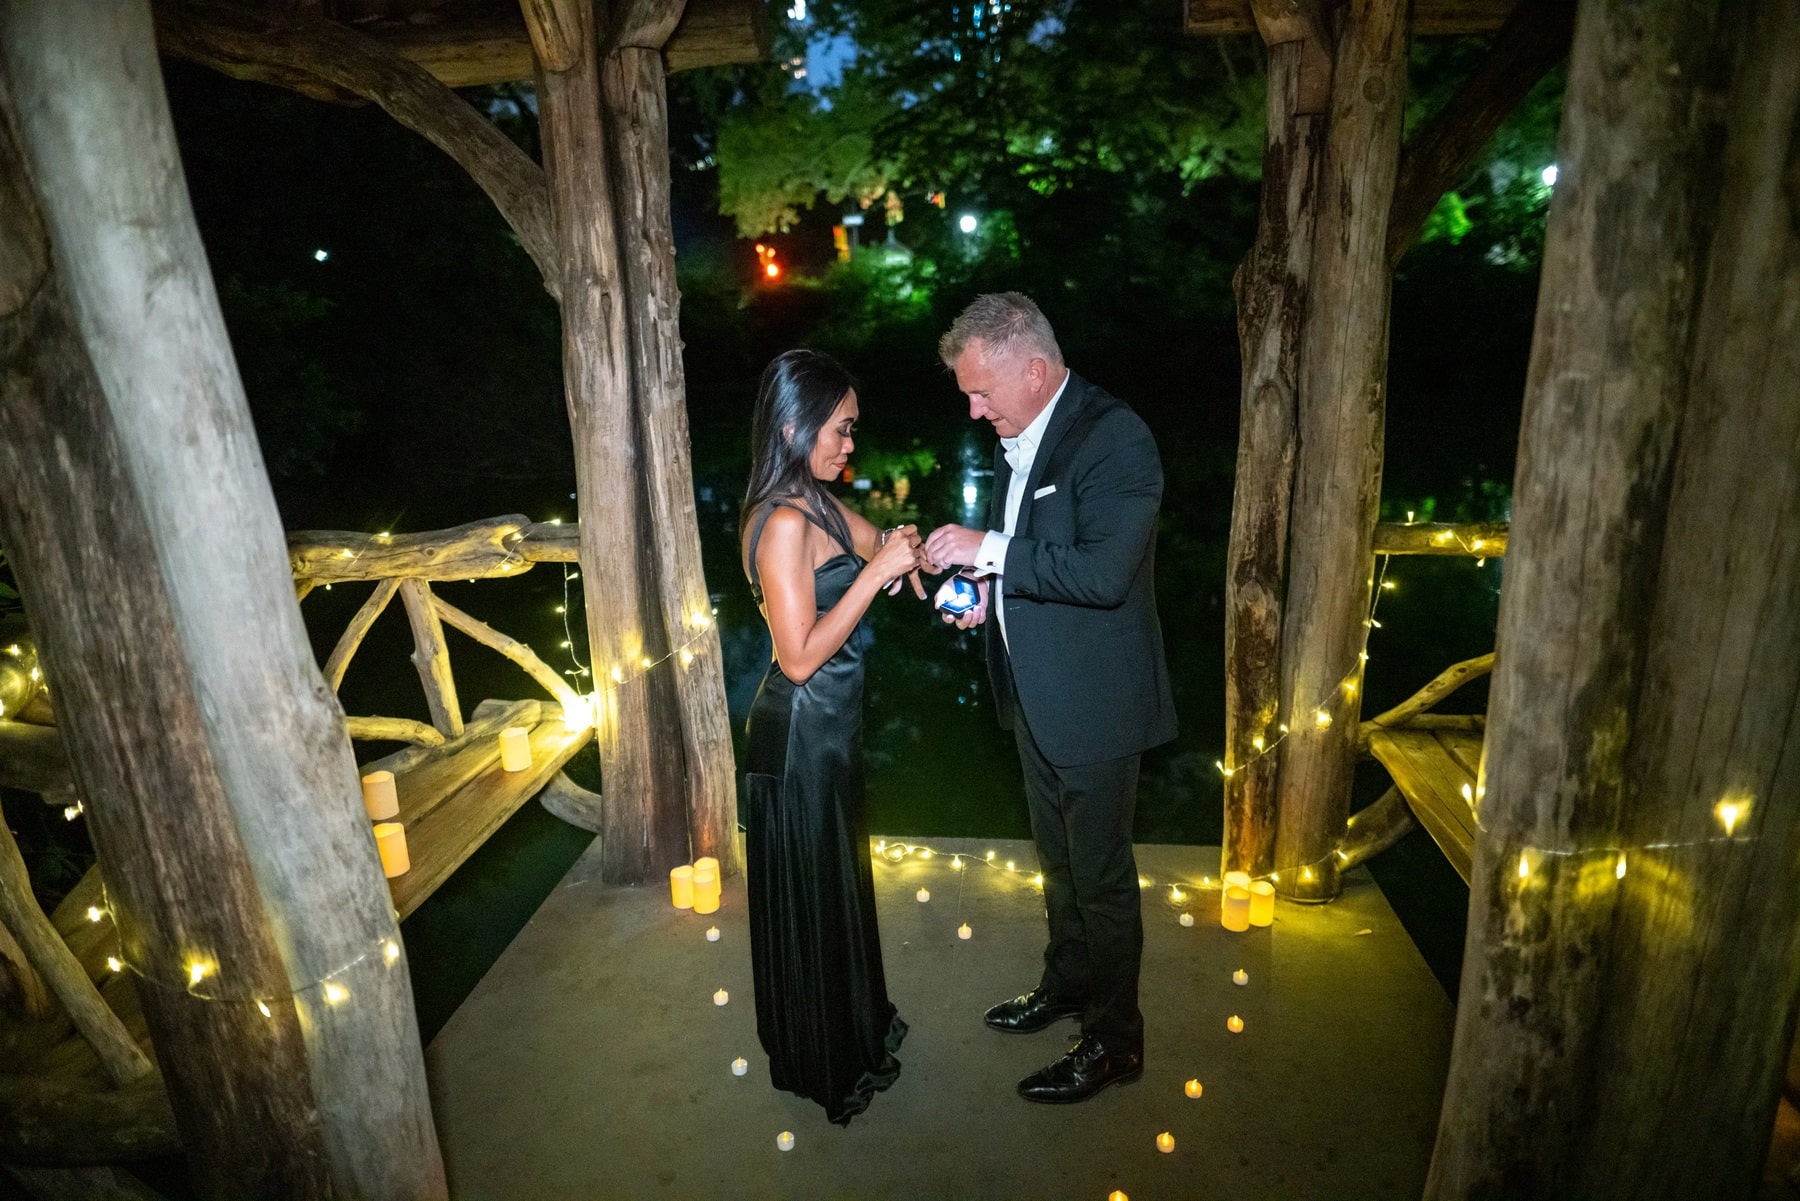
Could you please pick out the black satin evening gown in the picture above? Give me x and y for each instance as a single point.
(822, 1008)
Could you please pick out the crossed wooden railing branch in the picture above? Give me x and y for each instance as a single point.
(406, 564)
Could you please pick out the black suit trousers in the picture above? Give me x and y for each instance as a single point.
(1081, 818)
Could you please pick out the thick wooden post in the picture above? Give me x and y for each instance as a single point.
(635, 94)
(1337, 481)
(1271, 297)
(1629, 989)
(635, 707)
(221, 778)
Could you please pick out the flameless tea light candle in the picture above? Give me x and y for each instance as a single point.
(785, 1140)
(720, 997)
(515, 748)
(1262, 903)
(681, 887)
(1240, 977)
(1187, 919)
(1117, 1195)
(924, 894)
(1192, 1088)
(739, 1066)
(1235, 1024)
(963, 931)
(390, 840)
(1165, 1142)
(712, 934)
(706, 863)
(379, 796)
(1234, 909)
(706, 891)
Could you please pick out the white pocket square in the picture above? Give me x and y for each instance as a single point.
(1046, 490)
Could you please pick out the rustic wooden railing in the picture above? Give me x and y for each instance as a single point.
(407, 564)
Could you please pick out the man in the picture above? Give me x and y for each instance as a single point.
(1077, 665)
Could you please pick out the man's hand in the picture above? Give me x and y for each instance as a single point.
(953, 546)
(975, 616)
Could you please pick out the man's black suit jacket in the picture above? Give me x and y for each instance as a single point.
(1082, 634)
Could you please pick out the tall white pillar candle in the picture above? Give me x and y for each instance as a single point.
(515, 748)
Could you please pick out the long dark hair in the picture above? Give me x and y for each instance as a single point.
(799, 391)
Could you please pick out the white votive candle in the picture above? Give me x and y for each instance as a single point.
(681, 887)
(1234, 909)
(379, 796)
(1262, 903)
(515, 748)
(390, 840)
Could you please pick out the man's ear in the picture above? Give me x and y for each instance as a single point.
(1039, 370)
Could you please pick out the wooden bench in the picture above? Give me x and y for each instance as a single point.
(1434, 759)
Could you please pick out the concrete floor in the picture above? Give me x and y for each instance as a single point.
(591, 1062)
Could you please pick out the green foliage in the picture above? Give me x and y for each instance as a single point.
(1449, 221)
(301, 410)
(776, 157)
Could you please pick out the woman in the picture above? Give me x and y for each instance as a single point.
(822, 1009)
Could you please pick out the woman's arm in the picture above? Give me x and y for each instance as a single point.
(805, 638)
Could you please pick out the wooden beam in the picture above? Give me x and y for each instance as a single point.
(1281, 22)
(1647, 665)
(393, 729)
(1481, 540)
(1441, 686)
(118, 1052)
(1374, 829)
(479, 550)
(432, 658)
(634, 93)
(1534, 39)
(1337, 475)
(277, 48)
(58, 1120)
(32, 757)
(646, 819)
(20, 983)
(197, 682)
(1271, 286)
(513, 649)
(489, 46)
(1227, 18)
(354, 633)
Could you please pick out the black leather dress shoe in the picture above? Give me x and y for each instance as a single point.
(1030, 1013)
(1089, 1066)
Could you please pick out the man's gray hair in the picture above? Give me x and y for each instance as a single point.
(1003, 321)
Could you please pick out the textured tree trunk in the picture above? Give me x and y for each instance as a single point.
(637, 117)
(1337, 480)
(1629, 986)
(635, 705)
(219, 784)
(1271, 292)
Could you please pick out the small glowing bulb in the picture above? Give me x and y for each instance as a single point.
(264, 1010)
(345, 554)
(1275, 876)
(384, 535)
(1193, 1088)
(1475, 545)
(1409, 516)
(198, 971)
(558, 521)
(990, 856)
(1349, 688)
(924, 852)
(95, 913)
(1730, 813)
(112, 962)
(618, 675)
(1306, 873)
(956, 863)
(1257, 742)
(1038, 879)
(881, 846)
(1362, 656)
(14, 650)
(1235, 1024)
(1524, 865)
(1387, 585)
(562, 608)
(720, 997)
(1176, 895)
(71, 812)
(1322, 718)
(1468, 793)
(391, 950)
(335, 993)
(36, 675)
(1165, 1142)
(1619, 871)
(1283, 728)
(1143, 882)
(964, 932)
(567, 644)
(646, 662)
(687, 658)
(1010, 866)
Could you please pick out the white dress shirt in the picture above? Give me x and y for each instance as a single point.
(1021, 453)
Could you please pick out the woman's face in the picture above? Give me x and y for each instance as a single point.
(832, 449)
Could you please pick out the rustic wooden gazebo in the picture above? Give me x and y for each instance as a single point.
(1629, 823)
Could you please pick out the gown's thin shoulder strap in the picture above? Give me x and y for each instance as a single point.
(762, 519)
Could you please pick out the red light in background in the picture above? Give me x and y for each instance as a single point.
(773, 271)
